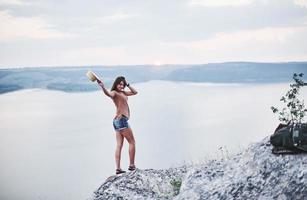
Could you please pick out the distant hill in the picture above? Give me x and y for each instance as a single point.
(239, 72)
(73, 79)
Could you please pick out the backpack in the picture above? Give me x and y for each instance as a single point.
(289, 138)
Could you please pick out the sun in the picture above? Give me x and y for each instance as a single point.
(157, 63)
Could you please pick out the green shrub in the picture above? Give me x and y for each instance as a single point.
(176, 185)
(294, 111)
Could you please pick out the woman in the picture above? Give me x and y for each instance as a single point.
(120, 121)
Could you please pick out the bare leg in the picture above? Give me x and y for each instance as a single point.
(119, 146)
(127, 133)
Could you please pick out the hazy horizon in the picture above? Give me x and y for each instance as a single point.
(73, 79)
(148, 64)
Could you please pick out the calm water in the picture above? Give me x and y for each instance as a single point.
(57, 145)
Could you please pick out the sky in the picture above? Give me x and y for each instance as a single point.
(134, 32)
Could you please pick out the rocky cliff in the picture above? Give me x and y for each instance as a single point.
(254, 173)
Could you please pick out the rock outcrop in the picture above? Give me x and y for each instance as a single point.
(254, 173)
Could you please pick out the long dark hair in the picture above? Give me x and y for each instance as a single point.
(117, 81)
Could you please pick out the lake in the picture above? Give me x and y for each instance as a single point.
(57, 145)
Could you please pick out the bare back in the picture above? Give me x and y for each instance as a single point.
(121, 102)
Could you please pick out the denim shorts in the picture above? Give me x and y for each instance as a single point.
(121, 123)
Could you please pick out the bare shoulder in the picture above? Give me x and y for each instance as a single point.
(112, 93)
(129, 93)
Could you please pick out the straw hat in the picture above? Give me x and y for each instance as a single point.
(91, 75)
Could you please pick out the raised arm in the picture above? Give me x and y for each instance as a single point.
(110, 94)
(131, 92)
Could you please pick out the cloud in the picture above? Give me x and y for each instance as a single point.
(264, 44)
(96, 55)
(13, 2)
(27, 28)
(136, 32)
(219, 3)
(270, 44)
(118, 16)
(264, 35)
(302, 3)
(234, 3)
(240, 37)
